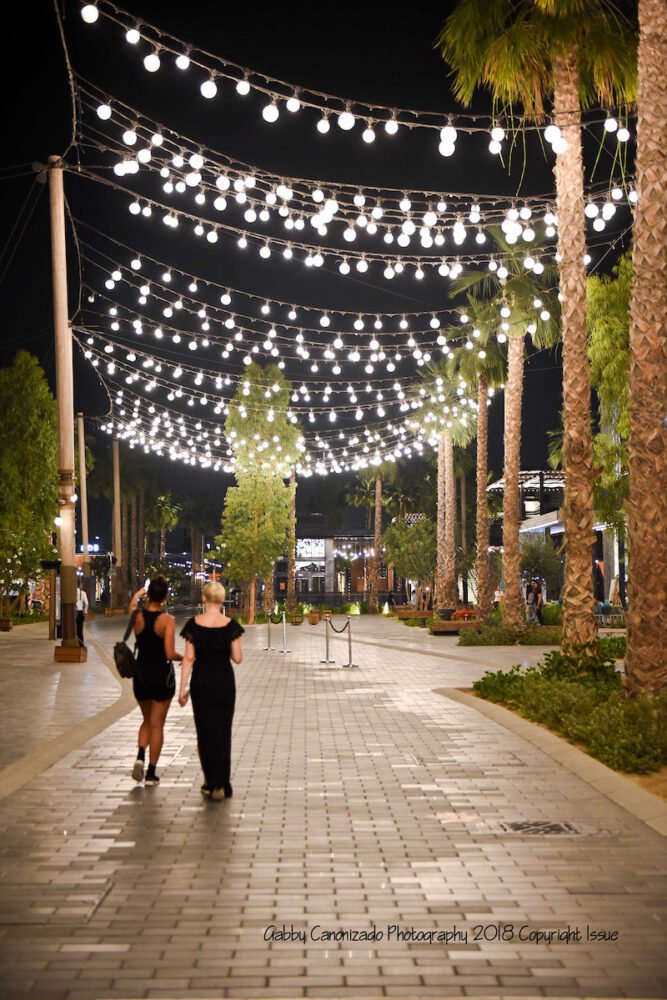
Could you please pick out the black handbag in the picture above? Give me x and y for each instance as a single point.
(124, 657)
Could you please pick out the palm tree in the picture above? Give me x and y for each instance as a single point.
(483, 368)
(362, 494)
(645, 664)
(581, 53)
(163, 517)
(377, 542)
(519, 303)
(447, 422)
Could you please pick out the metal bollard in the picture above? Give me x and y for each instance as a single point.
(349, 645)
(285, 649)
(268, 634)
(326, 646)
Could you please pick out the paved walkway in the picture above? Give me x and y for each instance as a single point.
(365, 804)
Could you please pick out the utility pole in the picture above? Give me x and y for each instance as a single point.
(117, 541)
(83, 497)
(69, 651)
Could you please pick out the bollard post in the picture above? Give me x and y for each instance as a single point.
(268, 634)
(326, 643)
(349, 645)
(285, 649)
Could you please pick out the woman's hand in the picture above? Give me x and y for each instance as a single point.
(183, 698)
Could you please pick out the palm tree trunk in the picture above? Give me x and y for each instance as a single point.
(194, 562)
(440, 574)
(451, 584)
(163, 544)
(125, 546)
(483, 589)
(513, 608)
(251, 602)
(291, 547)
(645, 662)
(579, 631)
(267, 606)
(375, 560)
(464, 539)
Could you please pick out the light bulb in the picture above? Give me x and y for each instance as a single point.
(90, 13)
(495, 147)
(346, 121)
(208, 89)
(270, 112)
(132, 36)
(152, 62)
(610, 125)
(623, 135)
(591, 210)
(104, 111)
(293, 103)
(323, 125)
(446, 148)
(391, 126)
(497, 133)
(559, 145)
(552, 133)
(243, 88)
(368, 135)
(183, 61)
(212, 236)
(448, 135)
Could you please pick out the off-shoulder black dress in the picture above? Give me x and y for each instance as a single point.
(213, 693)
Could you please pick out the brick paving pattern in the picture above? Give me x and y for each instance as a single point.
(362, 800)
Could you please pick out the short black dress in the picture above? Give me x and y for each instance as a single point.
(154, 678)
(213, 692)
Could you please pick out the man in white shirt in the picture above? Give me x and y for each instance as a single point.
(81, 609)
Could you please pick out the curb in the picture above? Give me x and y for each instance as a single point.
(645, 806)
(18, 774)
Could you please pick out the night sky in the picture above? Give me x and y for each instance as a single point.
(381, 53)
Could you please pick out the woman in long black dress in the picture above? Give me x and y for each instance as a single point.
(212, 642)
(154, 682)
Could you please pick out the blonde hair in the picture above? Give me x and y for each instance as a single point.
(214, 592)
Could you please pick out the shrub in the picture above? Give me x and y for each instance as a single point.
(490, 635)
(552, 613)
(541, 635)
(613, 646)
(582, 698)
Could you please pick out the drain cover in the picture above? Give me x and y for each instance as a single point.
(543, 828)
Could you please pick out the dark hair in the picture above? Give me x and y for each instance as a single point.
(158, 589)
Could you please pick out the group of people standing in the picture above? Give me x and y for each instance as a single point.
(212, 643)
(534, 602)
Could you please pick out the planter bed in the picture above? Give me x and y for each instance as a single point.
(404, 613)
(454, 627)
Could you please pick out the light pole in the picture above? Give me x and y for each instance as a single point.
(83, 496)
(70, 650)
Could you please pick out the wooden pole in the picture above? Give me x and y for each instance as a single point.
(69, 650)
(116, 539)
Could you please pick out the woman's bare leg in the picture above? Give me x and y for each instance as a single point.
(158, 714)
(145, 727)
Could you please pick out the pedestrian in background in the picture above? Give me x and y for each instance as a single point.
(212, 641)
(81, 612)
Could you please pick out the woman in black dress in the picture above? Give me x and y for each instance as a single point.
(212, 642)
(154, 681)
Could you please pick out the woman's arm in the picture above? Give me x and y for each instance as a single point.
(135, 600)
(236, 652)
(186, 669)
(170, 639)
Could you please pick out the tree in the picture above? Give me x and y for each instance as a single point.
(645, 662)
(447, 418)
(28, 471)
(581, 52)
(266, 441)
(519, 303)
(540, 560)
(254, 523)
(163, 516)
(412, 550)
(362, 493)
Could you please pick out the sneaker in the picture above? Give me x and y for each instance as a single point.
(218, 794)
(151, 779)
(229, 791)
(138, 770)
(205, 790)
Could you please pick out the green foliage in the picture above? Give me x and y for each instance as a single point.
(254, 526)
(497, 634)
(258, 427)
(411, 548)
(540, 560)
(552, 613)
(612, 647)
(28, 470)
(509, 47)
(582, 698)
